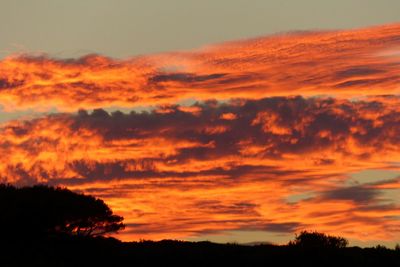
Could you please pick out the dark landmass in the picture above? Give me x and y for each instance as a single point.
(100, 251)
(46, 226)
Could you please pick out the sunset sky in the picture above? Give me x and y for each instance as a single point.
(222, 120)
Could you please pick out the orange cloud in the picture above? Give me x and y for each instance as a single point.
(216, 166)
(341, 63)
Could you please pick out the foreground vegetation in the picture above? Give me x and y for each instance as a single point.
(99, 251)
(45, 226)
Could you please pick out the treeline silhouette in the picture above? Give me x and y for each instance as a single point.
(47, 211)
(47, 226)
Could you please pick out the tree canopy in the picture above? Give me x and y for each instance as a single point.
(318, 240)
(43, 210)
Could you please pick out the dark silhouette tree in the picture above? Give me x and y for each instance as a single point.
(44, 211)
(318, 240)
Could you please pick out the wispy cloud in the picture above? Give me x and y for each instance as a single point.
(340, 63)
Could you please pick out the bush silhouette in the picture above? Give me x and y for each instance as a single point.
(318, 240)
(44, 211)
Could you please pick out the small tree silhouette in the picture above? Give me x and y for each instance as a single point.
(318, 240)
(43, 211)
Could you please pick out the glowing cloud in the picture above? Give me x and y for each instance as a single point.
(340, 63)
(222, 166)
(291, 118)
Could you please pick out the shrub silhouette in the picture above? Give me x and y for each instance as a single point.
(44, 211)
(318, 240)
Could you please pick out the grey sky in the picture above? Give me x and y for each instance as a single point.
(121, 28)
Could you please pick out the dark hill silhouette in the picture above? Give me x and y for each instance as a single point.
(46, 226)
